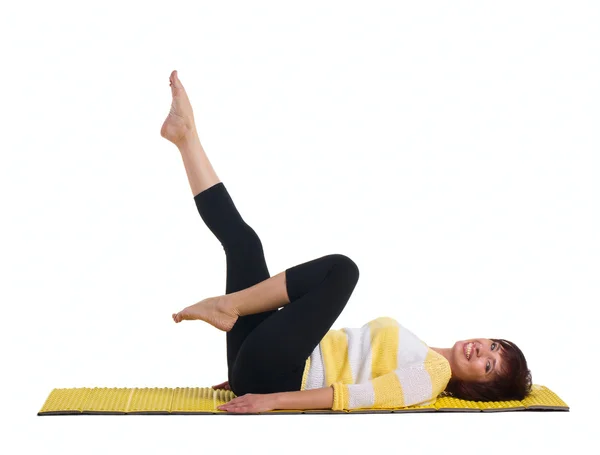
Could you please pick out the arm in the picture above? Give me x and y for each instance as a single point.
(403, 387)
(305, 399)
(264, 402)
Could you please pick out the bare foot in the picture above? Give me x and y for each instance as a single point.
(180, 121)
(214, 310)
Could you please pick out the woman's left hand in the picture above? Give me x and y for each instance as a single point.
(251, 402)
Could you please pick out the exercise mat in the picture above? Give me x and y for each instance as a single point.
(204, 400)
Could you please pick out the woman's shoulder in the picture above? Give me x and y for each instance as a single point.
(383, 321)
(439, 371)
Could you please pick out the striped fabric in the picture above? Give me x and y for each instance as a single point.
(379, 365)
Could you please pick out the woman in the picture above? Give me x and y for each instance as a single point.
(289, 358)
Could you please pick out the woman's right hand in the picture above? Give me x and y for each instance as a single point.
(223, 385)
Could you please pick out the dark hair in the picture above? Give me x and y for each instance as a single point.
(512, 383)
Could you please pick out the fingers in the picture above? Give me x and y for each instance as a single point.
(235, 407)
(237, 401)
(243, 404)
(223, 385)
(238, 410)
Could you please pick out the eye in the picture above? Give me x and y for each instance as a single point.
(487, 366)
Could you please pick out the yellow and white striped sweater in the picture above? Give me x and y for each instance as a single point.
(379, 365)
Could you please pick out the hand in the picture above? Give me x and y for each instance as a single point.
(223, 385)
(249, 403)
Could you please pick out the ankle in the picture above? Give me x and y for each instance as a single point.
(188, 140)
(227, 304)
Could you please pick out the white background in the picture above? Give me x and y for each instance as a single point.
(449, 148)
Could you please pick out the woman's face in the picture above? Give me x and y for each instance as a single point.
(483, 363)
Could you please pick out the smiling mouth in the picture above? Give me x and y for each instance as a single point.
(468, 349)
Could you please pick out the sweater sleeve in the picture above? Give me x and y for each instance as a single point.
(406, 386)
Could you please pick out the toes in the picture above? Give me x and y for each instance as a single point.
(175, 79)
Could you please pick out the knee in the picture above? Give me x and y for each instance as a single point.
(247, 237)
(343, 261)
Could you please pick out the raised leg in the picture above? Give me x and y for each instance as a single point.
(245, 259)
(180, 128)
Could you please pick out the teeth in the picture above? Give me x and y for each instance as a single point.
(469, 346)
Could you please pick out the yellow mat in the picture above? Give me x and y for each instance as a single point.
(204, 400)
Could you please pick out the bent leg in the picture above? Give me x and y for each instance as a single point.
(273, 356)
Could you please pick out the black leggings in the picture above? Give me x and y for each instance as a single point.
(266, 352)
